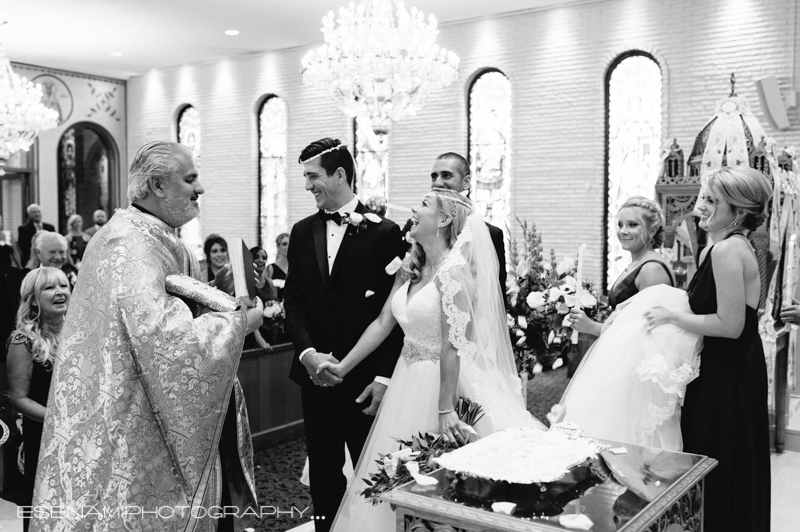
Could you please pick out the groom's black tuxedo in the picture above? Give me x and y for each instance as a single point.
(329, 312)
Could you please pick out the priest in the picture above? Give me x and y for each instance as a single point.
(146, 427)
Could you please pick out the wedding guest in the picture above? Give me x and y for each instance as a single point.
(50, 250)
(76, 239)
(9, 253)
(280, 268)
(99, 219)
(32, 350)
(640, 230)
(216, 250)
(26, 232)
(725, 409)
(145, 409)
(264, 335)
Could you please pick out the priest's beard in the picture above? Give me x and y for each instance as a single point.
(179, 211)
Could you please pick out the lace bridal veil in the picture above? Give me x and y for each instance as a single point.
(476, 319)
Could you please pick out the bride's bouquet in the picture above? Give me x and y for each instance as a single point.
(415, 457)
(541, 293)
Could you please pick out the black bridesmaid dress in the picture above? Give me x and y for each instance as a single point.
(725, 417)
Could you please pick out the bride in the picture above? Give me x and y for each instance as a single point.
(447, 301)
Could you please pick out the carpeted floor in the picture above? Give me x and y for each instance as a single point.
(278, 469)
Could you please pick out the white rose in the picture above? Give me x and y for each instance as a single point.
(372, 217)
(535, 300)
(356, 218)
(522, 322)
(587, 299)
(565, 266)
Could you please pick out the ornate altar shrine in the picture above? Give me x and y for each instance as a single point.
(646, 490)
(732, 137)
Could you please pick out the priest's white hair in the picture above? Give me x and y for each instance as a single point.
(152, 160)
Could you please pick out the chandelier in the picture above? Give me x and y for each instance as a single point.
(22, 114)
(378, 64)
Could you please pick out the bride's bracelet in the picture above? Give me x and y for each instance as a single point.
(443, 412)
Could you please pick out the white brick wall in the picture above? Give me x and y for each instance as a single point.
(556, 60)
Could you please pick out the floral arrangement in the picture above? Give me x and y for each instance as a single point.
(274, 315)
(541, 293)
(415, 456)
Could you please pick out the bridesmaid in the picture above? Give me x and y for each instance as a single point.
(280, 268)
(725, 411)
(640, 230)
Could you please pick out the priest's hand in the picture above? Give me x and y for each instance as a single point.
(224, 280)
(791, 313)
(255, 314)
(375, 390)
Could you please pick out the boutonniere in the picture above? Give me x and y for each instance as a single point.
(359, 221)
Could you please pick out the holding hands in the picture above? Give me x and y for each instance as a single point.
(452, 429)
(321, 376)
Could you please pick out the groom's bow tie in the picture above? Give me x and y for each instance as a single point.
(332, 216)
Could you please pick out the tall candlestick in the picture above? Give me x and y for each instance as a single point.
(790, 273)
(578, 285)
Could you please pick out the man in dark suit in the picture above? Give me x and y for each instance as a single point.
(336, 287)
(26, 232)
(99, 218)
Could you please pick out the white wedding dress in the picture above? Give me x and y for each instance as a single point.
(631, 384)
(411, 403)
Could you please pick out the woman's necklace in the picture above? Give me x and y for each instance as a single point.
(435, 263)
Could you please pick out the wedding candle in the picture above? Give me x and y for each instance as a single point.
(790, 273)
(578, 285)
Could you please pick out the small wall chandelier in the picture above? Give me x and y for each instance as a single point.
(378, 64)
(22, 114)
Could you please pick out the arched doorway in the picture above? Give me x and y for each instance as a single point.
(88, 173)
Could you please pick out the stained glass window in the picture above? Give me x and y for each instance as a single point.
(272, 172)
(490, 146)
(189, 135)
(372, 157)
(634, 140)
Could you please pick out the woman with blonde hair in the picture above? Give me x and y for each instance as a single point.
(725, 411)
(32, 350)
(640, 230)
(446, 298)
(76, 239)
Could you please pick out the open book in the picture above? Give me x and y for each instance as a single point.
(194, 292)
(244, 276)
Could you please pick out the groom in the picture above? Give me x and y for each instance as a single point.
(336, 287)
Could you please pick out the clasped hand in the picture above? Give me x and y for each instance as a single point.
(580, 321)
(321, 376)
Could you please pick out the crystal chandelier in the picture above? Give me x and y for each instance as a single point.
(378, 64)
(22, 114)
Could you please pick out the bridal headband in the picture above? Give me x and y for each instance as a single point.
(456, 199)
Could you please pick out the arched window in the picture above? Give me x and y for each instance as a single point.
(372, 157)
(633, 91)
(189, 135)
(271, 171)
(490, 146)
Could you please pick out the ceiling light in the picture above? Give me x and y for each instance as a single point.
(22, 114)
(231, 32)
(379, 61)
(116, 54)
